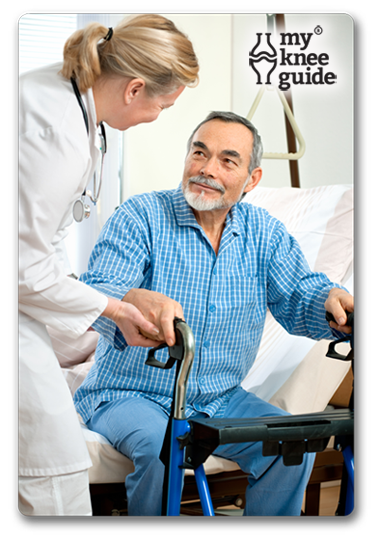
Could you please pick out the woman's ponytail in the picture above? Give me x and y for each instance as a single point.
(81, 55)
(148, 46)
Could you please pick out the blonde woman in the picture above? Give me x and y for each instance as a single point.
(122, 76)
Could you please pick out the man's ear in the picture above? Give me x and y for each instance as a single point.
(133, 88)
(255, 178)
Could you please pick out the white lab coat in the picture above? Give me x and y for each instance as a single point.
(56, 161)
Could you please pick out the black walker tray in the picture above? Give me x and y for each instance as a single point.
(289, 436)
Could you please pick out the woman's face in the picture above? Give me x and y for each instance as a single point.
(123, 103)
(143, 109)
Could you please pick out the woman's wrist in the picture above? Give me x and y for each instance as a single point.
(112, 310)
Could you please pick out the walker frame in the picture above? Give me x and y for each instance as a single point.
(188, 442)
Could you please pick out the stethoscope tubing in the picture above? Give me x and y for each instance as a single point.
(80, 209)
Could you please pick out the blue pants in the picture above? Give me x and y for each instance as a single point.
(136, 428)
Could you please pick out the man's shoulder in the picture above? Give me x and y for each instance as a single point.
(252, 213)
(257, 222)
(150, 206)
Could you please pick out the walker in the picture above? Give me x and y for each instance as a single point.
(189, 442)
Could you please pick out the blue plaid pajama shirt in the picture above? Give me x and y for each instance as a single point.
(153, 241)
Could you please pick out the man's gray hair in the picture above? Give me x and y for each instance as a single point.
(230, 117)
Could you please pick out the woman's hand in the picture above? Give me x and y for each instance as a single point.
(131, 323)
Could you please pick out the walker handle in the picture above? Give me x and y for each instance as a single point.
(332, 352)
(183, 351)
(176, 352)
(350, 318)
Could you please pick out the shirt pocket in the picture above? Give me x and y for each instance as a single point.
(238, 291)
(238, 299)
(238, 304)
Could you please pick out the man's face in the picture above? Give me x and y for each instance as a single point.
(216, 168)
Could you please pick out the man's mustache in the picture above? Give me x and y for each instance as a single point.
(207, 182)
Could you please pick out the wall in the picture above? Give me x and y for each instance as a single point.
(154, 153)
(324, 113)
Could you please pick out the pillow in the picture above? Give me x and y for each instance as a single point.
(321, 219)
(313, 382)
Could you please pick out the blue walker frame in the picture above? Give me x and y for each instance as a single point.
(180, 433)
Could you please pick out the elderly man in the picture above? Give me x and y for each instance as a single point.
(198, 253)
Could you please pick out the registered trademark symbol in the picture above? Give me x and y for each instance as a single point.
(318, 30)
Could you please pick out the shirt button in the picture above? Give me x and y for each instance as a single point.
(212, 308)
(206, 344)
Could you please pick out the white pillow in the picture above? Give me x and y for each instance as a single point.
(314, 381)
(321, 219)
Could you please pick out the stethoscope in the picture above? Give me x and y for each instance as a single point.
(81, 210)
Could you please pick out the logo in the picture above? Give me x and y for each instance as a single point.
(291, 62)
(261, 53)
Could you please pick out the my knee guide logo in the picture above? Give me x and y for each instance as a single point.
(290, 63)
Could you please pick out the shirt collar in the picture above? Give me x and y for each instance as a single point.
(186, 218)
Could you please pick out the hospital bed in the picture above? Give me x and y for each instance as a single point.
(290, 372)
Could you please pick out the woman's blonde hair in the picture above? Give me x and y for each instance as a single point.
(148, 46)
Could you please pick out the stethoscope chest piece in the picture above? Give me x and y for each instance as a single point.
(81, 210)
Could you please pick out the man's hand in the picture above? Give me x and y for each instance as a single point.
(157, 309)
(337, 303)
